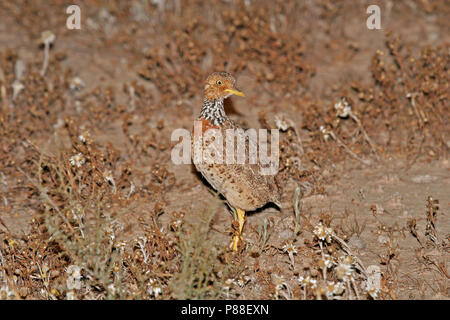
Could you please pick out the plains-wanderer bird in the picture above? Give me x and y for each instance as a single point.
(242, 184)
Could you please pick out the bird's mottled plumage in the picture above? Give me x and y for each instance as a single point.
(243, 185)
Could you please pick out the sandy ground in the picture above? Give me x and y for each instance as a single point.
(142, 67)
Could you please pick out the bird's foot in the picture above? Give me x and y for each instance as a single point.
(238, 225)
(235, 242)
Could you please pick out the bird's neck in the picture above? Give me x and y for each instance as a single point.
(214, 111)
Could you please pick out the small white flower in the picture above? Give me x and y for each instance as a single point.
(372, 291)
(332, 289)
(344, 271)
(153, 289)
(326, 262)
(339, 288)
(76, 83)
(343, 109)
(325, 133)
(282, 124)
(329, 289)
(307, 282)
(121, 245)
(323, 233)
(47, 37)
(77, 160)
(157, 291)
(85, 137)
(289, 248)
(281, 287)
(303, 281)
(278, 281)
(229, 283)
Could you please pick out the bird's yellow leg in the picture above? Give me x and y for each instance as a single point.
(241, 220)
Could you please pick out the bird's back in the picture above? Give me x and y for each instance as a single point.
(242, 184)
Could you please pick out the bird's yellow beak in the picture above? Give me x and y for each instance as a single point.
(235, 92)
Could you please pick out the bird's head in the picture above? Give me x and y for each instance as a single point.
(220, 85)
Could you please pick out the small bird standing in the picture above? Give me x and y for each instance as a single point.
(243, 185)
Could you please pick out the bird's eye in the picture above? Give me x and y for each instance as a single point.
(219, 82)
